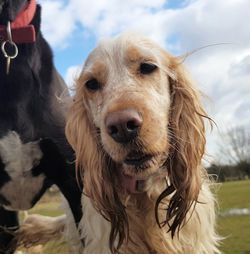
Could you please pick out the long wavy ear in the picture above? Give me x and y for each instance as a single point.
(80, 135)
(187, 139)
(95, 168)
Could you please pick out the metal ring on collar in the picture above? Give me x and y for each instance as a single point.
(3, 47)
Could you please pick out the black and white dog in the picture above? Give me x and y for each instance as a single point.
(34, 153)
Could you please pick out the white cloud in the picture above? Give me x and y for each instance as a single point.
(58, 22)
(241, 68)
(200, 22)
(102, 18)
(71, 75)
(109, 17)
(223, 76)
(210, 21)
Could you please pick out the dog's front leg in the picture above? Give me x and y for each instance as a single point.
(61, 173)
(8, 222)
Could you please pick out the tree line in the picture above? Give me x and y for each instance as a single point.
(234, 154)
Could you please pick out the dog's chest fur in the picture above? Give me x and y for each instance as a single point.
(145, 235)
(20, 186)
(95, 229)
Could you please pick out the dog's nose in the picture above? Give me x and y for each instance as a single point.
(123, 125)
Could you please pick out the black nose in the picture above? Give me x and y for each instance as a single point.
(123, 125)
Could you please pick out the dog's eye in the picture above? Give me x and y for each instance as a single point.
(93, 84)
(147, 68)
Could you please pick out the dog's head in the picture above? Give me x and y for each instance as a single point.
(9, 9)
(136, 118)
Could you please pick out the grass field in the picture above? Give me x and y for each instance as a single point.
(235, 229)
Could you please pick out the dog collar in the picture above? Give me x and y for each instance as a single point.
(21, 29)
(132, 185)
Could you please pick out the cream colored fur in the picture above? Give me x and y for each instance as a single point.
(173, 125)
(71, 233)
(196, 237)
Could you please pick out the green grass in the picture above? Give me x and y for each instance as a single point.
(56, 247)
(235, 229)
(234, 195)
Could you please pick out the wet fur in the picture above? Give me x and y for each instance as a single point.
(175, 214)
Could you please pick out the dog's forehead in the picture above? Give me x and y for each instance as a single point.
(123, 48)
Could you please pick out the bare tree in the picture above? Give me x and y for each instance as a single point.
(235, 147)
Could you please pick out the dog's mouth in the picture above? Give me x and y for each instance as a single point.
(138, 160)
(139, 171)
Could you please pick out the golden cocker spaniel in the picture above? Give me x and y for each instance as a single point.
(137, 127)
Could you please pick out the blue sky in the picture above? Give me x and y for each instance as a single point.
(83, 39)
(75, 53)
(78, 43)
(74, 27)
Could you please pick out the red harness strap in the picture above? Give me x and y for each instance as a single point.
(22, 31)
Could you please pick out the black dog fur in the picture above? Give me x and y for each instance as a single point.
(30, 112)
